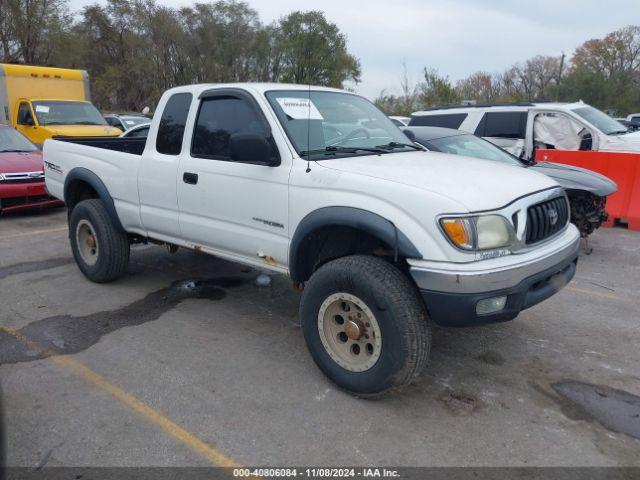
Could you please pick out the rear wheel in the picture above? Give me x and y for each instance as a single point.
(100, 249)
(365, 325)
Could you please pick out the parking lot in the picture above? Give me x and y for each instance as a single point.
(186, 361)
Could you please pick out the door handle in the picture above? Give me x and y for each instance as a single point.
(190, 178)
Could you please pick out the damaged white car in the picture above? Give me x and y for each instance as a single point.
(521, 128)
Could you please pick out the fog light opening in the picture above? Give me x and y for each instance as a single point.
(491, 305)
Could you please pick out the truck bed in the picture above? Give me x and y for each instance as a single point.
(115, 161)
(134, 145)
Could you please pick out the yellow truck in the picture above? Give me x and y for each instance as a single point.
(43, 102)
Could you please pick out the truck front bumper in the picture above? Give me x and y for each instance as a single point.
(496, 290)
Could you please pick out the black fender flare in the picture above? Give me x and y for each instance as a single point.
(90, 178)
(358, 218)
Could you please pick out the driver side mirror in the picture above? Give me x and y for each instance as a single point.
(252, 148)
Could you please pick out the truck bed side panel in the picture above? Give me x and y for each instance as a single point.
(118, 171)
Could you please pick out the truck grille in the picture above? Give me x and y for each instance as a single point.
(24, 177)
(545, 219)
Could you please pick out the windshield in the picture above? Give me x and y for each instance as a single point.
(67, 113)
(13, 141)
(333, 124)
(600, 120)
(472, 146)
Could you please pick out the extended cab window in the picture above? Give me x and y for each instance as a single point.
(220, 117)
(24, 114)
(448, 120)
(172, 124)
(503, 125)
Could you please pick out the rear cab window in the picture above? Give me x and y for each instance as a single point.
(173, 123)
(447, 120)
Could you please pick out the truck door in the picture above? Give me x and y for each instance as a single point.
(557, 130)
(234, 208)
(159, 168)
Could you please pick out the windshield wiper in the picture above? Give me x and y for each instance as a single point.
(87, 123)
(392, 145)
(334, 149)
(618, 132)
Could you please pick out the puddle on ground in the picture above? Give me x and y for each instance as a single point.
(616, 410)
(491, 357)
(36, 266)
(66, 334)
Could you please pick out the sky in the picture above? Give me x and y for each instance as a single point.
(456, 37)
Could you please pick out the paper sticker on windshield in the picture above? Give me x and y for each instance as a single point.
(42, 109)
(300, 108)
(129, 122)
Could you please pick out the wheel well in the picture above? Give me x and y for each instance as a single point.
(330, 242)
(77, 191)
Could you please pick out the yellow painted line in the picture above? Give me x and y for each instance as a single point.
(35, 232)
(593, 293)
(174, 430)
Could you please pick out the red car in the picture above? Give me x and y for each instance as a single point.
(21, 174)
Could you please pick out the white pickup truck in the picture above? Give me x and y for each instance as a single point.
(318, 184)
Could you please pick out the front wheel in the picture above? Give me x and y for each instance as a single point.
(99, 248)
(365, 325)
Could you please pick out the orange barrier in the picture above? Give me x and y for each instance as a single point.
(621, 167)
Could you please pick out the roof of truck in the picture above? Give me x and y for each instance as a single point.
(257, 86)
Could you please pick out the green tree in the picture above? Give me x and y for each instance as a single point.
(30, 30)
(313, 51)
(606, 72)
(436, 90)
(219, 41)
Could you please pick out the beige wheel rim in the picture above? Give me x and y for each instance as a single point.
(87, 242)
(349, 332)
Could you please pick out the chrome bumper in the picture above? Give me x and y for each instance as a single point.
(497, 273)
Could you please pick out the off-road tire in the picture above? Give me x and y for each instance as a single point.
(112, 256)
(398, 309)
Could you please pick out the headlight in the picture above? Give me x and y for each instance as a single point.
(483, 232)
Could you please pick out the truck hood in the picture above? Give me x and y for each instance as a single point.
(19, 162)
(474, 183)
(82, 130)
(629, 142)
(577, 178)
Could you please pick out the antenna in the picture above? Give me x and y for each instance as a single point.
(308, 111)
